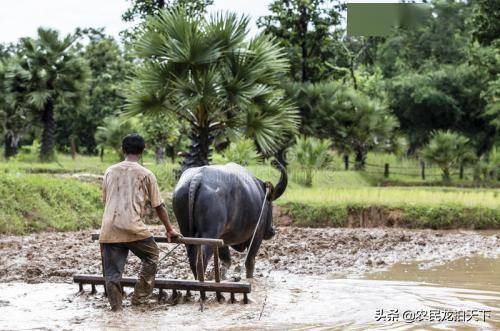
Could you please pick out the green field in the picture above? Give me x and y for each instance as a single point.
(40, 196)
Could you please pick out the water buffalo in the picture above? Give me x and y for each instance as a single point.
(224, 202)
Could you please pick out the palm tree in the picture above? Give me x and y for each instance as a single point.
(58, 80)
(111, 133)
(206, 73)
(447, 149)
(14, 109)
(311, 154)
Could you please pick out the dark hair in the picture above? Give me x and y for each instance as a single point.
(133, 144)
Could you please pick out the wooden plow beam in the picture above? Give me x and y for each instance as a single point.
(179, 284)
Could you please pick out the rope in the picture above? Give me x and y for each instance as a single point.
(258, 222)
(167, 253)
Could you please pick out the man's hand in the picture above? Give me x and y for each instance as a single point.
(173, 234)
(163, 215)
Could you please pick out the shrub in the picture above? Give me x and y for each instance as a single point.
(242, 152)
(447, 149)
(310, 154)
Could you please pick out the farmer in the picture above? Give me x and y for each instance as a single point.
(126, 189)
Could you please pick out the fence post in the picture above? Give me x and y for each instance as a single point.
(422, 165)
(386, 170)
(346, 161)
(461, 171)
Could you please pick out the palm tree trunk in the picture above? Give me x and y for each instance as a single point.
(10, 145)
(48, 134)
(199, 149)
(360, 160)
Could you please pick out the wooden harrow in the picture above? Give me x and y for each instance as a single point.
(181, 284)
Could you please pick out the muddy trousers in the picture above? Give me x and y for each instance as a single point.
(114, 259)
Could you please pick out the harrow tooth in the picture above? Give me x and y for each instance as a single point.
(160, 295)
(80, 287)
(93, 291)
(245, 298)
(232, 298)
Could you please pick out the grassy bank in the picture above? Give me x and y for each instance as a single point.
(35, 196)
(416, 216)
(30, 203)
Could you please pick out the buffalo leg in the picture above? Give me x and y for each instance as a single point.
(252, 252)
(192, 254)
(225, 258)
(207, 255)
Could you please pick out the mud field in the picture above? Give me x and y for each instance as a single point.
(305, 279)
(56, 256)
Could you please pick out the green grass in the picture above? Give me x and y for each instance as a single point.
(444, 216)
(30, 203)
(395, 196)
(34, 197)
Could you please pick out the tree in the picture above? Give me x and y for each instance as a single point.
(443, 98)
(242, 151)
(108, 71)
(309, 30)
(163, 133)
(14, 110)
(485, 20)
(447, 149)
(311, 154)
(204, 72)
(140, 9)
(58, 80)
(354, 121)
(443, 38)
(111, 133)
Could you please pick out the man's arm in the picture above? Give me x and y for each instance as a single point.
(163, 215)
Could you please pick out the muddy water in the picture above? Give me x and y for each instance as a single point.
(279, 301)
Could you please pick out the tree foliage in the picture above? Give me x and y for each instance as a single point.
(57, 81)
(204, 72)
(354, 121)
(309, 31)
(447, 149)
(112, 132)
(242, 151)
(108, 71)
(310, 154)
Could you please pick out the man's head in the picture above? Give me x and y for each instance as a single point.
(133, 144)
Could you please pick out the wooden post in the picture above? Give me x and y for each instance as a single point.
(422, 172)
(346, 161)
(200, 269)
(386, 170)
(217, 270)
(461, 174)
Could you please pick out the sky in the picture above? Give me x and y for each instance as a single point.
(20, 18)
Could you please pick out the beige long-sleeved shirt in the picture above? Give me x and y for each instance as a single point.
(126, 189)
